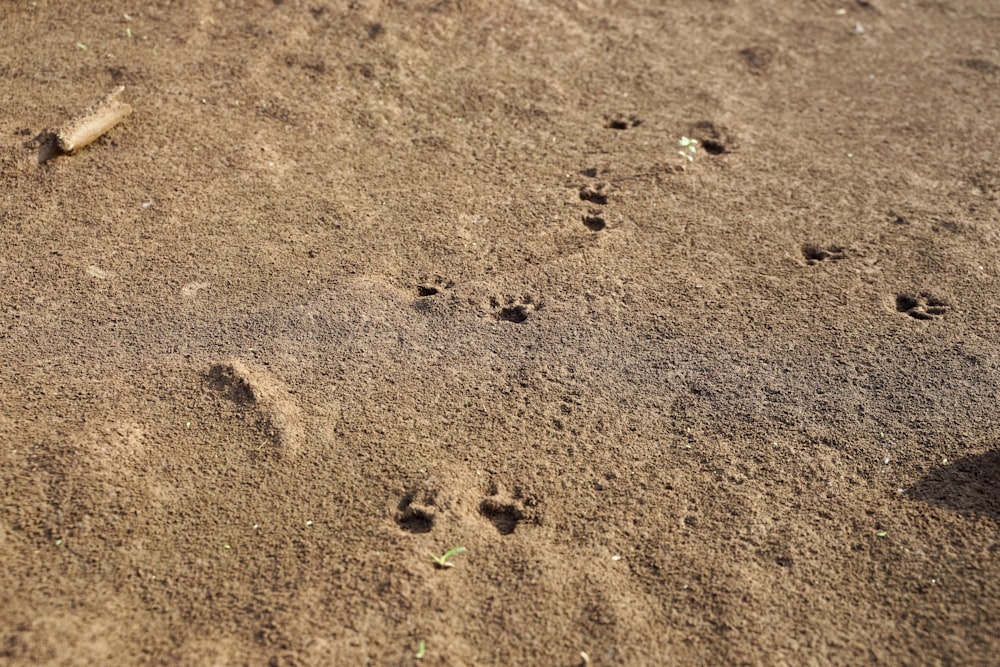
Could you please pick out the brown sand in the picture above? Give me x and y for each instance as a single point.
(361, 281)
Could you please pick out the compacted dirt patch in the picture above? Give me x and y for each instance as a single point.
(359, 283)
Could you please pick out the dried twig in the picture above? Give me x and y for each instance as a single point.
(92, 123)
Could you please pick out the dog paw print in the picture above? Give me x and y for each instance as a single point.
(515, 310)
(715, 139)
(504, 512)
(594, 194)
(418, 510)
(814, 254)
(922, 306)
(433, 286)
(621, 122)
(594, 219)
(434, 296)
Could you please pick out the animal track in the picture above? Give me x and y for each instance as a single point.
(714, 139)
(922, 306)
(594, 220)
(254, 389)
(758, 59)
(417, 511)
(432, 287)
(507, 512)
(620, 122)
(595, 195)
(815, 254)
(896, 218)
(514, 310)
(504, 516)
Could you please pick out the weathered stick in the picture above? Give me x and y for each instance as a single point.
(92, 123)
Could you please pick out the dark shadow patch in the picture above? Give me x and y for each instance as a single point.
(47, 145)
(426, 290)
(594, 223)
(968, 486)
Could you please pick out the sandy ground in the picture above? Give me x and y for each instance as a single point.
(361, 282)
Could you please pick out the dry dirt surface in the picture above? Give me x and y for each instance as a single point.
(361, 282)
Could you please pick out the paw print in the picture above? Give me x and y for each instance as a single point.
(814, 254)
(515, 310)
(507, 512)
(922, 306)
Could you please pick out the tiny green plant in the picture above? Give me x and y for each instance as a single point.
(688, 148)
(442, 560)
(421, 649)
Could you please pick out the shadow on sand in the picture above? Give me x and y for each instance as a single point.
(970, 486)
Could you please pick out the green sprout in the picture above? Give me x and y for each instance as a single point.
(421, 649)
(442, 560)
(688, 148)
